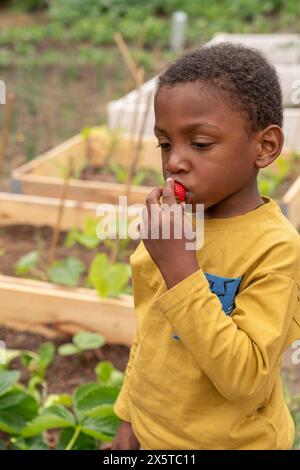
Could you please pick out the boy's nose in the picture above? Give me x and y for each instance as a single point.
(176, 162)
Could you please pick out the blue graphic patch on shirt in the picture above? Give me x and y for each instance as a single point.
(225, 288)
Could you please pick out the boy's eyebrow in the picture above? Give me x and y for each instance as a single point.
(190, 127)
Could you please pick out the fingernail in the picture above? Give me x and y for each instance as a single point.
(169, 180)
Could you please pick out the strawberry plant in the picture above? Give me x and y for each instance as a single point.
(91, 415)
(83, 419)
(27, 263)
(82, 341)
(109, 279)
(17, 406)
(86, 237)
(66, 272)
(37, 364)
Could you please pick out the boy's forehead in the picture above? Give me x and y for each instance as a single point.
(190, 103)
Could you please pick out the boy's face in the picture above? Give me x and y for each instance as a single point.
(204, 144)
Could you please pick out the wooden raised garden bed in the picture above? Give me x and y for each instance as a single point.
(43, 175)
(50, 309)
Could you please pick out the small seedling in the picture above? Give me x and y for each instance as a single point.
(81, 342)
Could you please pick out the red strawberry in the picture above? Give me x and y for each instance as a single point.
(180, 191)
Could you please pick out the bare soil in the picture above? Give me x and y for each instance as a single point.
(93, 173)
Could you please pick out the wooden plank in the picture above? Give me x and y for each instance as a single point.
(35, 210)
(52, 310)
(90, 191)
(20, 209)
(54, 161)
(291, 203)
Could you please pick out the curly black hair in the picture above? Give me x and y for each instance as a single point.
(249, 80)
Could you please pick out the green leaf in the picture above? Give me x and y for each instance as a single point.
(2, 445)
(88, 397)
(28, 357)
(83, 442)
(108, 279)
(66, 272)
(11, 398)
(87, 238)
(9, 356)
(108, 375)
(90, 227)
(46, 355)
(31, 443)
(33, 383)
(56, 416)
(104, 371)
(85, 340)
(88, 241)
(67, 349)
(119, 275)
(70, 239)
(102, 425)
(119, 172)
(63, 399)
(8, 378)
(14, 418)
(26, 263)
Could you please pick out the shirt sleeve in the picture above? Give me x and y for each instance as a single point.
(238, 351)
(121, 407)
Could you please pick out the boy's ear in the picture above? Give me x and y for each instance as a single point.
(269, 145)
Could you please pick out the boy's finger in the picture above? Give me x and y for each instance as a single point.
(168, 195)
(153, 198)
(144, 224)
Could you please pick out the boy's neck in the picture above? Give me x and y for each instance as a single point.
(236, 204)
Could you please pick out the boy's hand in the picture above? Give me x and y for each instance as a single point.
(125, 438)
(170, 255)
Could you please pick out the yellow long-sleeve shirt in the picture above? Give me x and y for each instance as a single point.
(203, 371)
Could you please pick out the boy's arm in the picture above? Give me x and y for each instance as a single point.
(121, 407)
(236, 352)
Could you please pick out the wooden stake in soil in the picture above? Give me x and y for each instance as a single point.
(56, 230)
(136, 151)
(6, 127)
(126, 55)
(139, 145)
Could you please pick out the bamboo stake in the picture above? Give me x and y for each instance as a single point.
(6, 127)
(125, 52)
(138, 76)
(56, 231)
(139, 145)
(126, 55)
(135, 149)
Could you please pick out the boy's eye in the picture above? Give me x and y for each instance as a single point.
(163, 145)
(201, 145)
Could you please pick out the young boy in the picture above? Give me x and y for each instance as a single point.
(213, 324)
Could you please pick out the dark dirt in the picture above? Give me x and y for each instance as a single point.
(93, 173)
(18, 240)
(65, 373)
